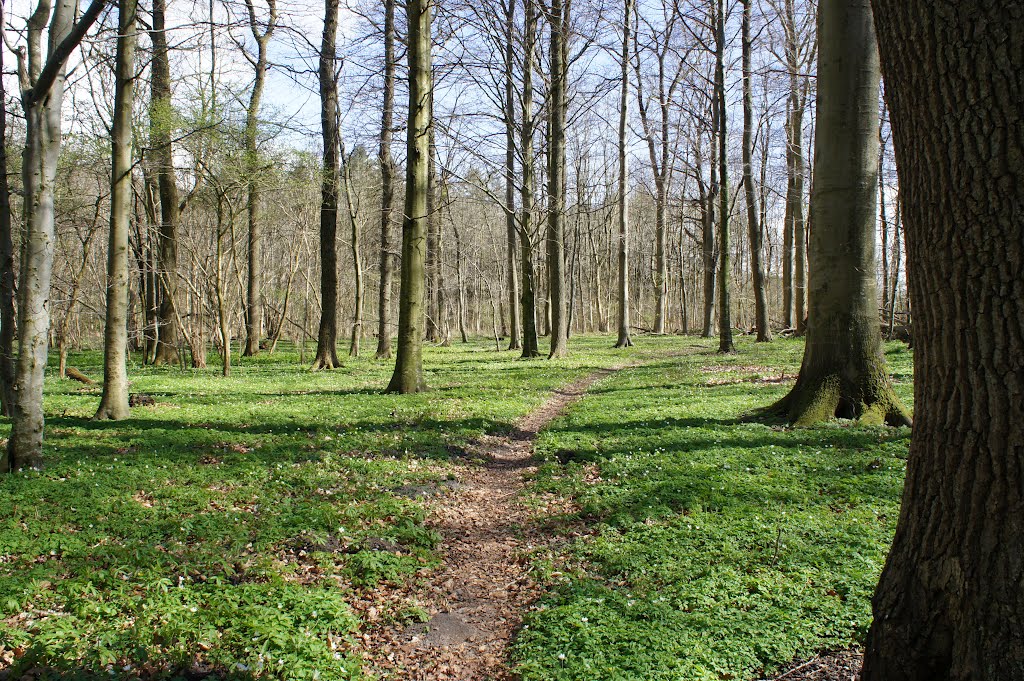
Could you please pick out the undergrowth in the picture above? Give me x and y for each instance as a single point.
(721, 548)
(230, 527)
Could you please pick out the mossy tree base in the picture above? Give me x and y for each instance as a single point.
(819, 397)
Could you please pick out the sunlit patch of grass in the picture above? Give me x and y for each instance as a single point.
(723, 547)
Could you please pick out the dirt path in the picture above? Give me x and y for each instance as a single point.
(475, 600)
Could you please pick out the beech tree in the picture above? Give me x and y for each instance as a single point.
(843, 373)
(558, 19)
(114, 401)
(949, 602)
(41, 81)
(327, 337)
(387, 186)
(408, 374)
(624, 340)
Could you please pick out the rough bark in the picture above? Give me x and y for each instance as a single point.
(114, 401)
(755, 231)
(327, 335)
(387, 184)
(408, 374)
(254, 300)
(844, 372)
(622, 208)
(556, 178)
(161, 124)
(949, 603)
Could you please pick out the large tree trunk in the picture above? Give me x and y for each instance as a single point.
(387, 186)
(558, 20)
(114, 402)
(844, 372)
(327, 336)
(408, 375)
(254, 284)
(161, 123)
(949, 603)
(526, 237)
(622, 208)
(754, 227)
(725, 343)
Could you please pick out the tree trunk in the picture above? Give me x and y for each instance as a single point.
(515, 332)
(7, 312)
(754, 227)
(556, 179)
(844, 373)
(624, 340)
(161, 123)
(42, 95)
(725, 343)
(531, 346)
(114, 401)
(254, 302)
(408, 374)
(357, 265)
(387, 183)
(949, 603)
(327, 336)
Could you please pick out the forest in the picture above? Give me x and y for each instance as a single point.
(512, 339)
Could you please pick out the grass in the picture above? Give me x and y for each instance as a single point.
(232, 525)
(237, 525)
(721, 549)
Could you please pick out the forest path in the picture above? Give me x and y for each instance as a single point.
(476, 599)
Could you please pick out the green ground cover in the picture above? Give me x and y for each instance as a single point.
(232, 524)
(721, 549)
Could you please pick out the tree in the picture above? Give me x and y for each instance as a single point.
(42, 95)
(7, 311)
(161, 117)
(408, 374)
(387, 185)
(526, 229)
(327, 336)
(558, 19)
(114, 401)
(623, 340)
(509, 114)
(755, 231)
(259, 61)
(949, 600)
(725, 343)
(843, 373)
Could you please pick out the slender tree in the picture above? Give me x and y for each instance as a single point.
(755, 231)
(387, 186)
(526, 227)
(512, 237)
(41, 81)
(844, 372)
(948, 606)
(557, 107)
(261, 33)
(7, 311)
(408, 374)
(327, 336)
(114, 401)
(161, 123)
(725, 343)
(622, 209)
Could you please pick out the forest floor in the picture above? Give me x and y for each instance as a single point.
(523, 519)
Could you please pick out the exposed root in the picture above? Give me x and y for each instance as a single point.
(828, 398)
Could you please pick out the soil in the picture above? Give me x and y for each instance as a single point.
(842, 665)
(474, 602)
